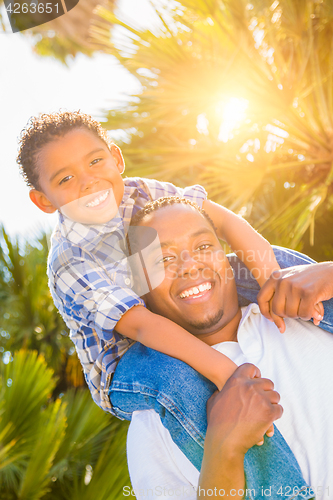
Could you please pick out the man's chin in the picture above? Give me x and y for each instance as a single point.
(208, 324)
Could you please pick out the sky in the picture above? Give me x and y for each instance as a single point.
(29, 85)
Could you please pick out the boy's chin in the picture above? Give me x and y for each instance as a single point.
(103, 208)
(89, 216)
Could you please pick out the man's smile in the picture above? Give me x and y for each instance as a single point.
(197, 291)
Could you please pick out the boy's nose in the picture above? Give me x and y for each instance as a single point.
(87, 182)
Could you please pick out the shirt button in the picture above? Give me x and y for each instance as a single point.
(127, 281)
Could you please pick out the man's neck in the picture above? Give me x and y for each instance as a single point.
(224, 334)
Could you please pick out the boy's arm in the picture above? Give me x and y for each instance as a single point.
(256, 253)
(114, 312)
(163, 335)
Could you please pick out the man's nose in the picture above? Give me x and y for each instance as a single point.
(189, 263)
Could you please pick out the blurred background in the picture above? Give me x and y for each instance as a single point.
(235, 95)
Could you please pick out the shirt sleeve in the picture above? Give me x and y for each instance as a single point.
(156, 465)
(157, 189)
(90, 298)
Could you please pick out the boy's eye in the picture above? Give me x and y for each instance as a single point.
(96, 160)
(65, 179)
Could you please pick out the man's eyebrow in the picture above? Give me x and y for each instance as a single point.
(68, 166)
(201, 231)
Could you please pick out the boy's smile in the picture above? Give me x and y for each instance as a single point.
(80, 177)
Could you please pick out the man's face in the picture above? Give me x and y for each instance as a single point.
(198, 291)
(81, 177)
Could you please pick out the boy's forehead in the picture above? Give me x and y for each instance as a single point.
(72, 146)
(80, 135)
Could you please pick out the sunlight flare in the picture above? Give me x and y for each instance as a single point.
(232, 112)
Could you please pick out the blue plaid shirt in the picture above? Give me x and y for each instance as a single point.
(90, 285)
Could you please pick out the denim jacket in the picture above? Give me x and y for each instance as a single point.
(147, 379)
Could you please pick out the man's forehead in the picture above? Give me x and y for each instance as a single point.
(178, 221)
(189, 234)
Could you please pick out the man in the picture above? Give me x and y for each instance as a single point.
(298, 361)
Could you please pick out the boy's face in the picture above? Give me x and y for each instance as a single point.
(81, 177)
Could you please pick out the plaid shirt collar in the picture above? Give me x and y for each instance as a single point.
(86, 236)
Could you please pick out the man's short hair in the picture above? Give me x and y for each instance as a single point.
(42, 129)
(165, 201)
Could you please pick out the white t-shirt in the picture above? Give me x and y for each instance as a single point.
(300, 363)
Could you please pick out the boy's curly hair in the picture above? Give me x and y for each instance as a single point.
(42, 129)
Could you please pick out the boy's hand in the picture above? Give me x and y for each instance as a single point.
(297, 292)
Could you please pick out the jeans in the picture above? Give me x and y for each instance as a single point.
(147, 379)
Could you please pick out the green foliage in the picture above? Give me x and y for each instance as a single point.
(50, 449)
(29, 318)
(274, 167)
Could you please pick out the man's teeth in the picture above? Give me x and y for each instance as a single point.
(195, 290)
(98, 200)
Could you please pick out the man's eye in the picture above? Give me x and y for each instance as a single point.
(204, 247)
(96, 160)
(165, 260)
(65, 179)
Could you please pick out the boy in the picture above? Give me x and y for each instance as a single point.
(71, 166)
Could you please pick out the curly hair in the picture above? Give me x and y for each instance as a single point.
(165, 201)
(41, 130)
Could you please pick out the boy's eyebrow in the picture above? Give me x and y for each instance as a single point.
(84, 157)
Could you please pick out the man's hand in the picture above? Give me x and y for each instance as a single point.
(297, 292)
(239, 415)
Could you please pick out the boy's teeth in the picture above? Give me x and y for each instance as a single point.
(195, 290)
(98, 200)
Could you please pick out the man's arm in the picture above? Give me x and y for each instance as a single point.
(238, 418)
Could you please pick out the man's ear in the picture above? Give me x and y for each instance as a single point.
(40, 200)
(118, 158)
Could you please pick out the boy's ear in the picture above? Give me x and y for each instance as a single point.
(40, 200)
(118, 158)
